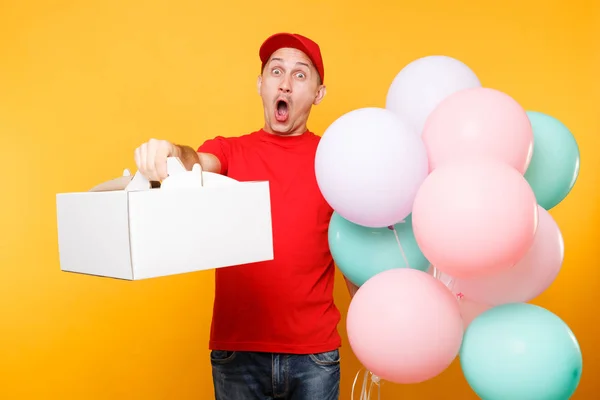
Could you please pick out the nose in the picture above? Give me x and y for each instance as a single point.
(285, 85)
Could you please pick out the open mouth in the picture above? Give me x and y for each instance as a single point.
(281, 110)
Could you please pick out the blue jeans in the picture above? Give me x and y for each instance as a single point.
(269, 376)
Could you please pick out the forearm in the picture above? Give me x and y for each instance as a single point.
(187, 155)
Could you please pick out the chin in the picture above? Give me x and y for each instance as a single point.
(282, 128)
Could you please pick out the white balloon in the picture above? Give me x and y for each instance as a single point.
(422, 85)
(369, 165)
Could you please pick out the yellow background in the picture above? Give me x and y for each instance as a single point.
(82, 83)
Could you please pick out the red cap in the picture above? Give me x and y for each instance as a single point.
(295, 41)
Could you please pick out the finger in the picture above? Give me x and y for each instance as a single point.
(142, 165)
(150, 160)
(137, 157)
(160, 162)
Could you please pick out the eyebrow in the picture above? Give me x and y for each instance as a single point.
(281, 59)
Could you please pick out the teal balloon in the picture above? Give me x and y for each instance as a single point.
(361, 252)
(521, 351)
(554, 165)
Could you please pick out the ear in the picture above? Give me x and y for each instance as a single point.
(259, 83)
(321, 92)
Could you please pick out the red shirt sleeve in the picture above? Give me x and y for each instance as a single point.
(220, 148)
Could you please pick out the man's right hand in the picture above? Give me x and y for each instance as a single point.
(151, 158)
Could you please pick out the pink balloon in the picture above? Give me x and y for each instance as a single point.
(474, 218)
(479, 123)
(404, 326)
(531, 276)
(470, 310)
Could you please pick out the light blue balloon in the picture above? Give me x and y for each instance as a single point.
(361, 252)
(554, 165)
(521, 351)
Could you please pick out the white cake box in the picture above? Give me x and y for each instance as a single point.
(195, 221)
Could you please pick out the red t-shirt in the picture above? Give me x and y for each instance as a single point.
(285, 305)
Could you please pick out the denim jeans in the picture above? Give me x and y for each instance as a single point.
(266, 376)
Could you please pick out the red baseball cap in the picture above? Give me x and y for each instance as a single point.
(295, 41)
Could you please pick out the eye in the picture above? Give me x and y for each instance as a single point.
(276, 71)
(301, 75)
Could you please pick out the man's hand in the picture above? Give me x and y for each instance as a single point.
(151, 158)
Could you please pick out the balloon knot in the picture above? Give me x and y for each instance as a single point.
(391, 227)
(460, 295)
(375, 379)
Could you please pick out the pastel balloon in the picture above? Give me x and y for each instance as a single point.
(469, 310)
(531, 276)
(554, 166)
(422, 85)
(521, 351)
(479, 123)
(475, 218)
(369, 165)
(361, 252)
(404, 326)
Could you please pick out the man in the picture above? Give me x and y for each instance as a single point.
(274, 329)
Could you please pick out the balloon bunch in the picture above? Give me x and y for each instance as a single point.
(456, 179)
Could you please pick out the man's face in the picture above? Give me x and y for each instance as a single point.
(289, 86)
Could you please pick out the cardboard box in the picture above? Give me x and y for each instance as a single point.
(195, 221)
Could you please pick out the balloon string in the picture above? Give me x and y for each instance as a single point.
(450, 284)
(393, 228)
(364, 393)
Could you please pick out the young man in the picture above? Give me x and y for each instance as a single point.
(274, 330)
